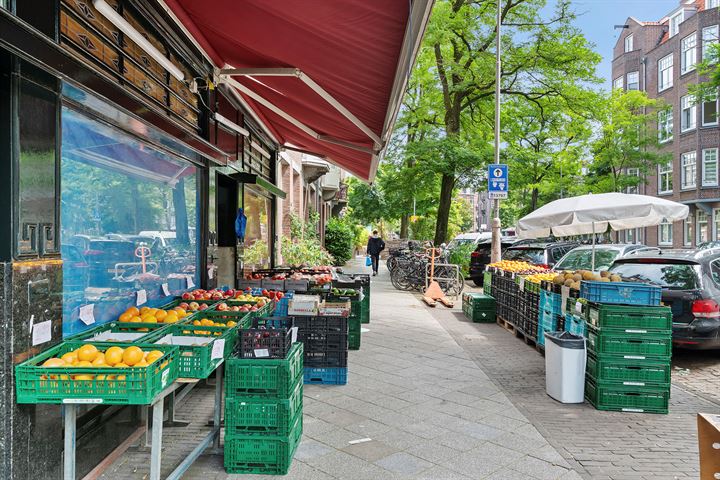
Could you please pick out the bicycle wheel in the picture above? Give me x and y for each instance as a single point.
(391, 263)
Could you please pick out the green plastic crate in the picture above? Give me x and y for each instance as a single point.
(262, 454)
(177, 301)
(628, 372)
(270, 377)
(145, 329)
(623, 317)
(354, 325)
(636, 346)
(37, 384)
(195, 361)
(259, 414)
(627, 398)
(242, 319)
(366, 305)
(479, 313)
(354, 341)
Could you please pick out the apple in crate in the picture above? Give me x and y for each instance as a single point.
(188, 296)
(194, 306)
(222, 307)
(203, 306)
(184, 305)
(229, 293)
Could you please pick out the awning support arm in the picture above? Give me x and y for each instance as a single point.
(305, 78)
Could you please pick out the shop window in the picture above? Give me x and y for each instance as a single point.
(129, 217)
(703, 235)
(256, 253)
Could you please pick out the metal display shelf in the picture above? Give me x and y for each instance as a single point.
(158, 407)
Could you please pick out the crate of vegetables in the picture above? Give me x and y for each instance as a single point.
(266, 337)
(229, 319)
(189, 306)
(102, 373)
(117, 332)
(202, 347)
(149, 315)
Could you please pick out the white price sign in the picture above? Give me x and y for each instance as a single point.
(87, 314)
(141, 297)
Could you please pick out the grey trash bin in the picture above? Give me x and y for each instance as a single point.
(565, 359)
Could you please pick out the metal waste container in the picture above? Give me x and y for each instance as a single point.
(565, 359)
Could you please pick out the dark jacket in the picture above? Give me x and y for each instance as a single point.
(375, 246)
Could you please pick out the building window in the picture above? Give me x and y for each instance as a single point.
(710, 112)
(688, 55)
(709, 36)
(675, 22)
(633, 172)
(688, 173)
(688, 113)
(665, 178)
(716, 226)
(710, 167)
(633, 81)
(618, 83)
(665, 234)
(688, 230)
(712, 4)
(665, 73)
(629, 43)
(703, 235)
(665, 125)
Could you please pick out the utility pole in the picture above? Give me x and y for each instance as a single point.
(495, 250)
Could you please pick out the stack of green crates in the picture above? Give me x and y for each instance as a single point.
(365, 304)
(628, 364)
(354, 325)
(478, 307)
(487, 283)
(263, 413)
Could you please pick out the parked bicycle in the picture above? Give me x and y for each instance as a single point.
(411, 271)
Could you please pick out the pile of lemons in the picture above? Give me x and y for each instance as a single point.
(88, 356)
(153, 315)
(206, 322)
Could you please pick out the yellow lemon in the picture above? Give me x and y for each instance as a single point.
(54, 362)
(113, 355)
(87, 353)
(69, 358)
(83, 364)
(132, 355)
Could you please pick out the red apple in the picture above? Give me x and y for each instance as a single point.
(229, 293)
(216, 296)
(235, 309)
(203, 306)
(254, 308)
(183, 305)
(280, 295)
(193, 306)
(222, 307)
(187, 296)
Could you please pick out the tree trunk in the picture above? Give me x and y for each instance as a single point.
(404, 224)
(441, 226)
(534, 199)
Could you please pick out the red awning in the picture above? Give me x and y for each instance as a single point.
(339, 67)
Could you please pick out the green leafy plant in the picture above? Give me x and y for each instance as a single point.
(339, 239)
(303, 246)
(460, 255)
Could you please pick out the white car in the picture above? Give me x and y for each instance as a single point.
(580, 258)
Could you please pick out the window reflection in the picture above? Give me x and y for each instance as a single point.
(257, 233)
(128, 220)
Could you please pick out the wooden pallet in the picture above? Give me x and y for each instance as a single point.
(505, 324)
(510, 327)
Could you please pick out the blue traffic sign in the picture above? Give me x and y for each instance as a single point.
(498, 181)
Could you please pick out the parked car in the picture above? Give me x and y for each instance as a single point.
(103, 255)
(539, 253)
(75, 269)
(480, 257)
(468, 239)
(690, 281)
(580, 258)
(709, 245)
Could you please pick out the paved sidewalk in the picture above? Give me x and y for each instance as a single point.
(429, 410)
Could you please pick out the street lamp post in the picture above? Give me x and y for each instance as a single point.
(495, 250)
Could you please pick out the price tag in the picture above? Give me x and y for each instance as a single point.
(262, 353)
(41, 332)
(218, 349)
(166, 289)
(190, 281)
(82, 401)
(564, 294)
(635, 331)
(578, 307)
(211, 273)
(293, 334)
(141, 297)
(87, 315)
(522, 284)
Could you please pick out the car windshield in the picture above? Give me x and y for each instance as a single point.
(531, 255)
(582, 259)
(678, 276)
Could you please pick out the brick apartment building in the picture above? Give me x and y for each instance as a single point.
(660, 57)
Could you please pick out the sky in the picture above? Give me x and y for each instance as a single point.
(598, 17)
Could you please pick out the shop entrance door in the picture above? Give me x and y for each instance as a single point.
(226, 208)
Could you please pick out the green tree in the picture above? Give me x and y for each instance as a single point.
(339, 237)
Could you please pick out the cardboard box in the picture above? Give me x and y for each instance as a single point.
(245, 283)
(297, 285)
(709, 439)
(334, 309)
(270, 284)
(305, 305)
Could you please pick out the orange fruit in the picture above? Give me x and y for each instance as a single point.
(87, 353)
(196, 323)
(205, 322)
(133, 311)
(54, 362)
(132, 355)
(231, 324)
(150, 319)
(113, 355)
(180, 312)
(144, 310)
(136, 319)
(160, 314)
(170, 318)
(69, 358)
(101, 377)
(125, 317)
(83, 376)
(141, 363)
(120, 377)
(121, 365)
(83, 364)
(153, 356)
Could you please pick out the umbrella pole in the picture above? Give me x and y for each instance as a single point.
(593, 246)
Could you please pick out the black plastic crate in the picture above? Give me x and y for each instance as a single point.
(322, 324)
(328, 358)
(316, 341)
(268, 337)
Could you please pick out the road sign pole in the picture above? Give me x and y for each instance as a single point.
(495, 241)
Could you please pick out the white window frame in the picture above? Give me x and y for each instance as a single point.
(669, 241)
(688, 228)
(665, 170)
(705, 161)
(699, 214)
(636, 81)
(716, 223)
(710, 35)
(688, 53)
(688, 162)
(665, 125)
(665, 64)
(629, 43)
(687, 103)
(712, 4)
(717, 112)
(633, 172)
(618, 83)
(675, 22)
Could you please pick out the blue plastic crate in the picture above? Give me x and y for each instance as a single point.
(326, 376)
(281, 307)
(624, 293)
(575, 324)
(550, 302)
(547, 322)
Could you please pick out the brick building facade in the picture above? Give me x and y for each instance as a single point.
(660, 58)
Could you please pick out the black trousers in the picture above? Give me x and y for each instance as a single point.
(375, 261)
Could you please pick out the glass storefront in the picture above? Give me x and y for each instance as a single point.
(129, 217)
(257, 234)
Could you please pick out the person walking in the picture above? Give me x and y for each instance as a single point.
(374, 247)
